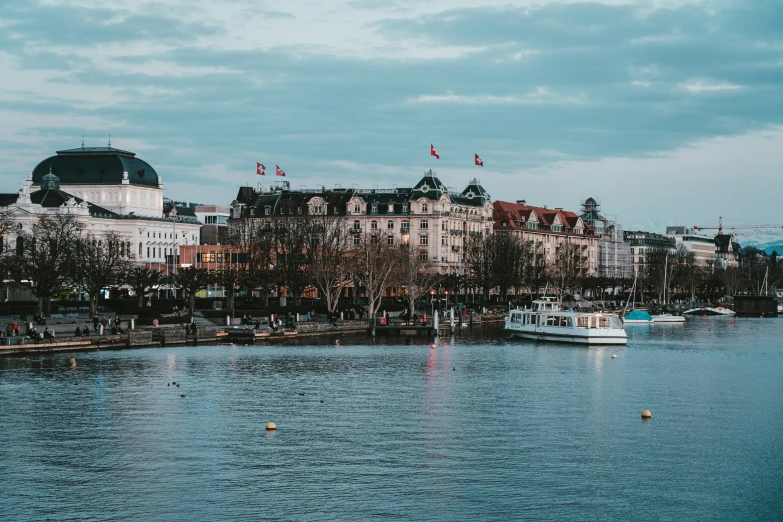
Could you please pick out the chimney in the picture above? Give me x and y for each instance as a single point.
(522, 202)
(558, 208)
(543, 206)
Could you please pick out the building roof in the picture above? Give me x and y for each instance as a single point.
(518, 215)
(97, 166)
(429, 187)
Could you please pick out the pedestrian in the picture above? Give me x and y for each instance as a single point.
(95, 321)
(104, 321)
(309, 317)
(155, 323)
(78, 332)
(86, 331)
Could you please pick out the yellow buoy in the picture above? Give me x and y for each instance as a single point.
(271, 426)
(646, 414)
(73, 363)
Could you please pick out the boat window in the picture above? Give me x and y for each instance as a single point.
(583, 322)
(603, 322)
(569, 322)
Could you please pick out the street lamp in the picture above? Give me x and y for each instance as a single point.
(432, 301)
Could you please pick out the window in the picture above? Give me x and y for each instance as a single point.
(355, 240)
(424, 240)
(444, 241)
(557, 228)
(267, 211)
(148, 251)
(374, 239)
(391, 208)
(424, 207)
(375, 208)
(443, 226)
(532, 226)
(390, 225)
(356, 225)
(208, 257)
(357, 209)
(405, 208)
(390, 239)
(504, 224)
(374, 225)
(140, 249)
(424, 224)
(423, 255)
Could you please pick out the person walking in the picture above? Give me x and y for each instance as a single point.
(95, 321)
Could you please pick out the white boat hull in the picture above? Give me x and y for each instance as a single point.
(668, 319)
(573, 339)
(636, 321)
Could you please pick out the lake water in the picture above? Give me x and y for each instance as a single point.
(484, 427)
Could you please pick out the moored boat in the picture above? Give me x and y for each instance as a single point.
(668, 318)
(709, 312)
(545, 321)
(638, 317)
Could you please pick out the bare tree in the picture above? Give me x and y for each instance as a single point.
(415, 272)
(254, 242)
(374, 262)
(45, 256)
(101, 261)
(291, 253)
(191, 280)
(331, 244)
(570, 265)
(142, 280)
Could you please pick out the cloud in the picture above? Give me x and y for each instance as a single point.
(353, 92)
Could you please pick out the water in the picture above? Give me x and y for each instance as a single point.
(483, 428)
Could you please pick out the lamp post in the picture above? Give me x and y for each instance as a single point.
(432, 301)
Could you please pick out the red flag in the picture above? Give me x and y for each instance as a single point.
(260, 169)
(279, 171)
(478, 161)
(432, 151)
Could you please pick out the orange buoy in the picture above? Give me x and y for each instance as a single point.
(646, 414)
(270, 426)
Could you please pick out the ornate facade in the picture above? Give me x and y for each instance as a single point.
(427, 215)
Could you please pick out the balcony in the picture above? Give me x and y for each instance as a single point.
(405, 230)
(455, 248)
(356, 230)
(456, 231)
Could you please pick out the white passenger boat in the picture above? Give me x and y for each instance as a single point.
(545, 321)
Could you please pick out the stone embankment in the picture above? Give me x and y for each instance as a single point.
(177, 335)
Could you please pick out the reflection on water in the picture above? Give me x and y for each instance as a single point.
(482, 427)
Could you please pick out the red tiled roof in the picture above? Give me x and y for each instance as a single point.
(512, 212)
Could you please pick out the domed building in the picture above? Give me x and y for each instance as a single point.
(107, 189)
(112, 178)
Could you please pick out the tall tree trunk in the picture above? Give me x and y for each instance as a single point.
(40, 303)
(93, 304)
(140, 301)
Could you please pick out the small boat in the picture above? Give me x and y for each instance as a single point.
(668, 318)
(709, 312)
(545, 321)
(638, 317)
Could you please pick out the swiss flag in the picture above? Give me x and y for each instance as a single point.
(432, 151)
(478, 161)
(260, 169)
(279, 171)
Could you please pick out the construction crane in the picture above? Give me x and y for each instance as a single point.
(720, 227)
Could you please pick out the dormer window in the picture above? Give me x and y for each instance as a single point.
(357, 209)
(375, 208)
(391, 208)
(504, 223)
(424, 207)
(267, 211)
(405, 208)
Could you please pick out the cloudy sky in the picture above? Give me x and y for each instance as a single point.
(667, 112)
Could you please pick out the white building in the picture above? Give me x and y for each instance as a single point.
(108, 189)
(702, 246)
(614, 253)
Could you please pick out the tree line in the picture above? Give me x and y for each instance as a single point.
(303, 253)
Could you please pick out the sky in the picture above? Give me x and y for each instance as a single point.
(667, 112)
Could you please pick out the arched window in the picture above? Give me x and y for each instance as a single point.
(357, 208)
(374, 225)
(356, 226)
(140, 247)
(390, 224)
(424, 207)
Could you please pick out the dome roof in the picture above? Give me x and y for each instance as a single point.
(96, 166)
